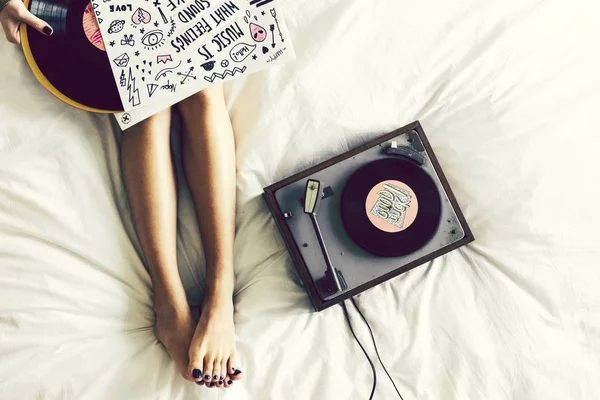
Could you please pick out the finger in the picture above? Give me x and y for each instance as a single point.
(39, 25)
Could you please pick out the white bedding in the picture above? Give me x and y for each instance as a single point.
(509, 95)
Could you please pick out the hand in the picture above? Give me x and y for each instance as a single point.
(16, 13)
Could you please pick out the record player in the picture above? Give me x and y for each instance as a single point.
(368, 215)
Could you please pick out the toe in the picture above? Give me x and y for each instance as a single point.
(195, 366)
(223, 375)
(208, 370)
(217, 371)
(233, 369)
(227, 382)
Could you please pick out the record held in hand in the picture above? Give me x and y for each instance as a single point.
(71, 63)
(390, 207)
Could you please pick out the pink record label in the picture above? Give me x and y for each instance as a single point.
(391, 206)
(91, 29)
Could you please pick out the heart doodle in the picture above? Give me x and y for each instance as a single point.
(141, 16)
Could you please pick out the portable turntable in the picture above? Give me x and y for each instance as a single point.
(367, 215)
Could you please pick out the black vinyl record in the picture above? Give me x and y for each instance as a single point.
(71, 63)
(390, 207)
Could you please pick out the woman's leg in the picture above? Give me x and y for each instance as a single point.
(150, 183)
(209, 163)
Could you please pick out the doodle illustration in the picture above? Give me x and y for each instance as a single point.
(122, 80)
(151, 88)
(127, 40)
(249, 16)
(172, 28)
(272, 27)
(163, 58)
(162, 73)
(186, 75)
(105, 1)
(208, 66)
(134, 93)
(122, 60)
(116, 26)
(274, 15)
(257, 32)
(111, 43)
(100, 20)
(254, 57)
(126, 118)
(259, 3)
(162, 14)
(241, 51)
(153, 39)
(141, 16)
(225, 63)
(169, 86)
(120, 7)
(265, 49)
(230, 72)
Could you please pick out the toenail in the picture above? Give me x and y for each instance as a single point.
(216, 377)
(229, 382)
(237, 372)
(212, 384)
(221, 378)
(206, 376)
(220, 382)
(197, 373)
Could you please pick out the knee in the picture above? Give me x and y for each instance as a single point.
(203, 99)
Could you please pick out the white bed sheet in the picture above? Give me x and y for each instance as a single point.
(509, 95)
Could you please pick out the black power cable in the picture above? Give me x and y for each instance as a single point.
(343, 304)
(375, 344)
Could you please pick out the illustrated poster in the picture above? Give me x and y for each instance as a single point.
(162, 51)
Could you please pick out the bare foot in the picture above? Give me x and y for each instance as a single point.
(175, 329)
(212, 352)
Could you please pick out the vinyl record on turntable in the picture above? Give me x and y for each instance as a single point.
(390, 207)
(71, 63)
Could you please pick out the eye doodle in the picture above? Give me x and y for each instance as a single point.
(153, 39)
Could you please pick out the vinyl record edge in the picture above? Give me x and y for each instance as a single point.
(41, 78)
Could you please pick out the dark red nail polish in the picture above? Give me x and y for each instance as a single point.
(221, 378)
(212, 384)
(197, 373)
(215, 377)
(237, 372)
(229, 382)
(47, 30)
(206, 376)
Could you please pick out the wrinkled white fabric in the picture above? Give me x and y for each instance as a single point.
(509, 95)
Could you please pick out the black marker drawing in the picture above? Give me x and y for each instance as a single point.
(127, 40)
(272, 27)
(143, 79)
(259, 3)
(137, 53)
(169, 86)
(141, 16)
(144, 62)
(116, 26)
(276, 55)
(100, 20)
(254, 57)
(225, 63)
(156, 3)
(153, 39)
(189, 61)
(162, 14)
(257, 32)
(262, 13)
(187, 75)
(151, 88)
(142, 30)
(265, 49)
(134, 93)
(231, 72)
(126, 118)
(120, 7)
(172, 28)
(241, 51)
(122, 60)
(163, 58)
(111, 43)
(274, 15)
(164, 72)
(156, 24)
(122, 80)
(208, 66)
